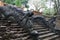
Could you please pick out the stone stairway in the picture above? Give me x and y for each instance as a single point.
(45, 33)
(15, 32)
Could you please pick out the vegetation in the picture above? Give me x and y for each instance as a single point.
(16, 2)
(38, 4)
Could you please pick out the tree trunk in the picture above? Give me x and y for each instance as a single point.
(57, 8)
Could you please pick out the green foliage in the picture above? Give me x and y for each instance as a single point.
(46, 11)
(20, 2)
(9, 1)
(17, 2)
(49, 11)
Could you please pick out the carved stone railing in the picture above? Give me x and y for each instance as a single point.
(10, 11)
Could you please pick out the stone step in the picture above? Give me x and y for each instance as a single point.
(25, 38)
(23, 34)
(22, 38)
(0, 37)
(56, 38)
(42, 30)
(14, 24)
(2, 26)
(45, 35)
(15, 32)
(15, 29)
(39, 27)
(19, 35)
(49, 38)
(40, 33)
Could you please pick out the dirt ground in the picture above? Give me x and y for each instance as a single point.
(57, 24)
